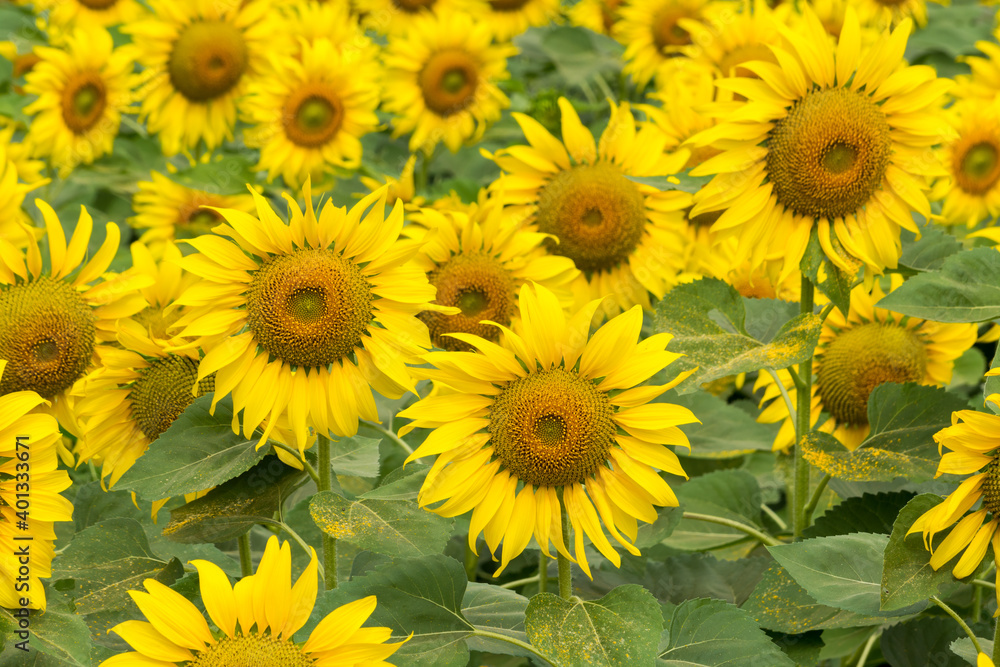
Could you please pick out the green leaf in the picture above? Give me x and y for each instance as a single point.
(965, 289)
(393, 527)
(229, 510)
(197, 452)
(913, 643)
(498, 611)
(356, 456)
(968, 370)
(964, 648)
(725, 430)
(712, 632)
(843, 571)
(992, 384)
(903, 420)
(803, 649)
(868, 513)
(824, 274)
(58, 633)
(228, 176)
(929, 252)
(621, 628)
(682, 182)
(109, 559)
(697, 575)
(952, 30)
(730, 494)
(707, 318)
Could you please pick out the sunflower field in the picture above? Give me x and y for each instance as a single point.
(499, 333)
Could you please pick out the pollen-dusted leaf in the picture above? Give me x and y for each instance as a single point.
(59, 634)
(712, 632)
(621, 628)
(197, 452)
(497, 611)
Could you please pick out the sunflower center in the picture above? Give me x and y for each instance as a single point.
(207, 60)
(979, 167)
(97, 4)
(252, 651)
(448, 81)
(411, 6)
(47, 336)
(163, 391)
(507, 5)
(597, 214)
(313, 114)
(829, 154)
(203, 218)
(667, 31)
(991, 486)
(552, 428)
(83, 102)
(862, 358)
(309, 308)
(481, 288)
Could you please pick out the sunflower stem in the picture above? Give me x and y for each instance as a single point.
(784, 393)
(817, 492)
(800, 487)
(996, 640)
(761, 537)
(868, 648)
(392, 436)
(565, 570)
(246, 561)
(977, 604)
(543, 573)
(958, 619)
(325, 484)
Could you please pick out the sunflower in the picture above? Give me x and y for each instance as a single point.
(619, 233)
(702, 259)
(510, 18)
(856, 354)
(311, 113)
(15, 225)
(882, 14)
(319, 311)
(28, 443)
(82, 92)
(89, 13)
(166, 210)
(441, 80)
(254, 621)
(726, 46)
(971, 189)
(477, 262)
(402, 188)
(597, 15)
(547, 412)
(685, 100)
(197, 58)
(311, 20)
(831, 138)
(984, 81)
(395, 17)
(972, 439)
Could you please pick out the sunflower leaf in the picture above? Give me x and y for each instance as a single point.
(922, 641)
(833, 283)
(495, 610)
(59, 634)
(729, 494)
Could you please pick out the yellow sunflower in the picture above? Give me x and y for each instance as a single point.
(509, 18)
(89, 13)
(320, 311)
(551, 409)
(882, 14)
(402, 188)
(597, 15)
(856, 354)
(82, 92)
(972, 440)
(165, 210)
(254, 622)
(727, 45)
(478, 262)
(310, 114)
(971, 189)
(395, 17)
(832, 138)
(685, 102)
(702, 259)
(15, 225)
(619, 233)
(29, 169)
(983, 83)
(29, 497)
(197, 58)
(441, 80)
(310, 20)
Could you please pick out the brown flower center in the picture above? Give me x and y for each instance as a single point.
(978, 168)
(252, 650)
(667, 32)
(507, 5)
(208, 60)
(448, 81)
(98, 4)
(163, 391)
(84, 100)
(413, 6)
(313, 114)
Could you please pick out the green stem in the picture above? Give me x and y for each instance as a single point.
(827, 309)
(565, 571)
(977, 604)
(774, 517)
(958, 619)
(800, 488)
(246, 562)
(422, 175)
(392, 436)
(510, 640)
(784, 393)
(527, 580)
(543, 573)
(996, 641)
(984, 583)
(471, 561)
(326, 484)
(305, 464)
(868, 648)
(814, 500)
(742, 527)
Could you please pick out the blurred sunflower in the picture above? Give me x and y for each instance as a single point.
(395, 17)
(321, 311)
(402, 188)
(15, 225)
(597, 15)
(972, 439)
(726, 46)
(477, 262)
(441, 80)
(27, 433)
(858, 353)
(831, 138)
(971, 189)
(683, 112)
(89, 13)
(197, 58)
(166, 210)
(618, 232)
(551, 409)
(254, 620)
(509, 18)
(310, 114)
(983, 82)
(82, 92)
(882, 14)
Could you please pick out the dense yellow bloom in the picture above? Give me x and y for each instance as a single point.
(971, 188)
(15, 225)
(509, 18)
(598, 15)
(882, 14)
(551, 408)
(402, 188)
(254, 622)
(983, 83)
(89, 13)
(620, 233)
(395, 17)
(82, 92)
(441, 80)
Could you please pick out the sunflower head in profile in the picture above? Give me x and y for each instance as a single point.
(859, 352)
(620, 233)
(197, 59)
(972, 440)
(441, 80)
(836, 139)
(547, 412)
(509, 18)
(319, 310)
(971, 188)
(253, 621)
(82, 90)
(478, 261)
(309, 114)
